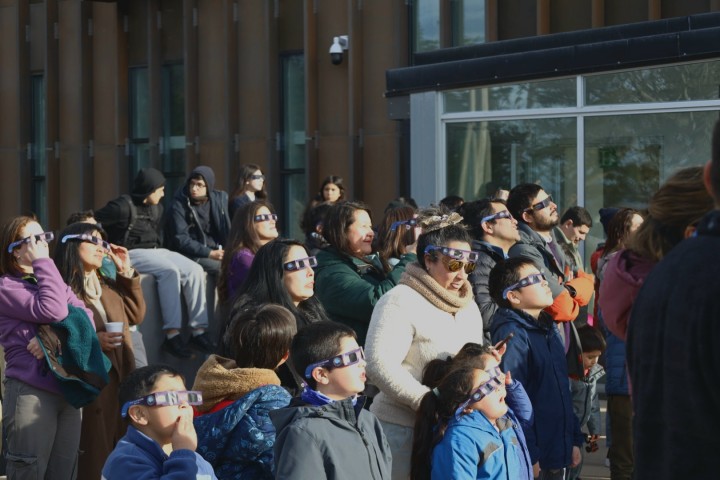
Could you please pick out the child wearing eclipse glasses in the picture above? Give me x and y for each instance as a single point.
(464, 428)
(326, 433)
(160, 441)
(536, 358)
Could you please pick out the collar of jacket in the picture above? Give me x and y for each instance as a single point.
(492, 250)
(544, 322)
(710, 224)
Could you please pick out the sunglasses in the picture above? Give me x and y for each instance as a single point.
(524, 282)
(84, 237)
(164, 399)
(266, 217)
(40, 237)
(540, 205)
(497, 378)
(300, 264)
(408, 224)
(257, 177)
(497, 216)
(343, 360)
(456, 256)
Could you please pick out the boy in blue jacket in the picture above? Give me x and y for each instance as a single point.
(536, 358)
(160, 441)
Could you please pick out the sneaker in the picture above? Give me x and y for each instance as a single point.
(176, 347)
(203, 343)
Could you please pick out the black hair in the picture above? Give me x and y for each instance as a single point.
(579, 216)
(470, 354)
(261, 337)
(503, 275)
(246, 171)
(142, 382)
(439, 237)
(80, 217)
(452, 202)
(335, 180)
(520, 199)
(591, 339)
(317, 342)
(474, 212)
(68, 261)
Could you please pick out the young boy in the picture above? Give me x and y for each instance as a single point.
(160, 441)
(536, 357)
(326, 433)
(584, 390)
(234, 430)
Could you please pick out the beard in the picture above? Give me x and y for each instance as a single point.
(544, 224)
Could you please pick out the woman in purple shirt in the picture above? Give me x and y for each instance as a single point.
(43, 429)
(253, 225)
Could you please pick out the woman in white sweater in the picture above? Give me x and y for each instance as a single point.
(430, 314)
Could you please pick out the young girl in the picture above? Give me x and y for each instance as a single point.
(464, 428)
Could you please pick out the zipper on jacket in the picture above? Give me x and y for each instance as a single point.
(367, 449)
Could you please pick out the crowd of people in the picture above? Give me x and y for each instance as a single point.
(452, 341)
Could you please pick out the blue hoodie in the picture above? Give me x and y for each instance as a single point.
(536, 358)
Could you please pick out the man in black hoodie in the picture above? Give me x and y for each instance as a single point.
(198, 223)
(134, 221)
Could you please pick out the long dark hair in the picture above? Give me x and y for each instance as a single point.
(242, 235)
(335, 180)
(264, 284)
(619, 230)
(68, 261)
(246, 171)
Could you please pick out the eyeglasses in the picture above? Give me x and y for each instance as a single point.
(300, 264)
(496, 216)
(456, 256)
(265, 217)
(408, 224)
(199, 185)
(87, 238)
(257, 177)
(164, 399)
(540, 205)
(497, 378)
(524, 282)
(40, 237)
(343, 360)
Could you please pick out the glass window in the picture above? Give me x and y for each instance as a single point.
(426, 25)
(468, 22)
(628, 157)
(293, 157)
(484, 156)
(173, 128)
(519, 96)
(676, 83)
(139, 120)
(38, 163)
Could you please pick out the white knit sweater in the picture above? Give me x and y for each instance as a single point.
(407, 332)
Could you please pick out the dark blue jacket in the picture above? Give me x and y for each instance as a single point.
(238, 440)
(616, 381)
(674, 361)
(139, 457)
(535, 357)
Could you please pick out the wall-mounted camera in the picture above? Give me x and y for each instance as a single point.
(339, 45)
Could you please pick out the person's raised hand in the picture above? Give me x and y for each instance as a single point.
(184, 436)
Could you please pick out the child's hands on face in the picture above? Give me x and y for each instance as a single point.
(184, 435)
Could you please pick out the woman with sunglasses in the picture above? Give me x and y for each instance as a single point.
(253, 225)
(347, 282)
(397, 231)
(430, 314)
(250, 186)
(42, 428)
(79, 256)
(282, 274)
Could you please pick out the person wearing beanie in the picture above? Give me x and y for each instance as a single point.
(198, 223)
(134, 221)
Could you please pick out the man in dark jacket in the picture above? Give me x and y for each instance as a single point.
(198, 224)
(494, 231)
(673, 355)
(133, 221)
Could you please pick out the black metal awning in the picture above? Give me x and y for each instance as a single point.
(634, 45)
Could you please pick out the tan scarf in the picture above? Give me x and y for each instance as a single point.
(220, 379)
(419, 280)
(93, 292)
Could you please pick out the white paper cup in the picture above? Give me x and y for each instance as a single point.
(115, 327)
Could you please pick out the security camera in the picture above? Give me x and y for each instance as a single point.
(336, 49)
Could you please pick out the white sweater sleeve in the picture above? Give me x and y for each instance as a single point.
(389, 340)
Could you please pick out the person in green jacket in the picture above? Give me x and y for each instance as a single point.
(347, 281)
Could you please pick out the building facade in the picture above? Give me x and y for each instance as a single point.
(91, 91)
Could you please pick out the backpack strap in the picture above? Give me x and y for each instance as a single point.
(133, 217)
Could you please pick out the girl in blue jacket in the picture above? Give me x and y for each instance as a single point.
(468, 426)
